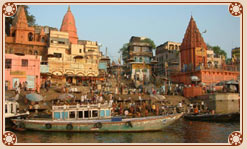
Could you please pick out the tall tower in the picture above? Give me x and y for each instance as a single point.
(20, 29)
(193, 48)
(68, 25)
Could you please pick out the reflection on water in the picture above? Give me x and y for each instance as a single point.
(180, 132)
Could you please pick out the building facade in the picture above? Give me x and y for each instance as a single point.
(168, 58)
(24, 39)
(193, 49)
(22, 68)
(140, 58)
(236, 55)
(194, 61)
(70, 59)
(214, 62)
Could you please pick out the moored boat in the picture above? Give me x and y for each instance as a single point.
(12, 111)
(94, 118)
(228, 117)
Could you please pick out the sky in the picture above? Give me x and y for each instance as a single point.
(113, 25)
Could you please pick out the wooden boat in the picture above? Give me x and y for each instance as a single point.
(229, 117)
(94, 118)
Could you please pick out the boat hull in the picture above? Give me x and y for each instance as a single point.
(154, 123)
(214, 117)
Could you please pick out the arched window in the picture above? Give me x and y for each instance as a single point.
(13, 34)
(30, 52)
(30, 36)
(43, 39)
(36, 52)
(140, 59)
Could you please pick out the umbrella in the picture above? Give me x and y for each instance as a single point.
(34, 97)
(65, 96)
(232, 82)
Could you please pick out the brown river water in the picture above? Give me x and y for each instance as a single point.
(182, 131)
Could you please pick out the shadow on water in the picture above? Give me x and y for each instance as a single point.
(180, 132)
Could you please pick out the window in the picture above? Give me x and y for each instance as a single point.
(95, 113)
(30, 52)
(80, 51)
(145, 49)
(140, 59)
(8, 63)
(11, 108)
(72, 114)
(24, 63)
(137, 49)
(61, 42)
(6, 108)
(30, 36)
(80, 114)
(36, 53)
(43, 39)
(13, 34)
(59, 55)
(87, 114)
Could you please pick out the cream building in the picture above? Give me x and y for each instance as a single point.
(72, 62)
(214, 62)
(70, 59)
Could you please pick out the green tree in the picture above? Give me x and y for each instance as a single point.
(151, 42)
(228, 61)
(125, 52)
(30, 19)
(217, 51)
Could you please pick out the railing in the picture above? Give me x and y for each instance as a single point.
(77, 106)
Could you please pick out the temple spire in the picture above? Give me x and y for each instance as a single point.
(68, 25)
(20, 19)
(68, 8)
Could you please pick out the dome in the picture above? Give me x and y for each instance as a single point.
(68, 25)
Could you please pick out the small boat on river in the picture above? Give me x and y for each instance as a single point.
(229, 117)
(94, 118)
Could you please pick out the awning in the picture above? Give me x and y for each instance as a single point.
(78, 57)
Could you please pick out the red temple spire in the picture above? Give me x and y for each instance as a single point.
(69, 26)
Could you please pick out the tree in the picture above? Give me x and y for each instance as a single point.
(217, 51)
(30, 19)
(151, 42)
(228, 61)
(125, 52)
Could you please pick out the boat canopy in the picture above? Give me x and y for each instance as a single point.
(77, 112)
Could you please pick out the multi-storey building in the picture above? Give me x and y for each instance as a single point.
(213, 61)
(20, 69)
(168, 57)
(140, 58)
(70, 59)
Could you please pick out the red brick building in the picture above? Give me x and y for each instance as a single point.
(26, 39)
(194, 61)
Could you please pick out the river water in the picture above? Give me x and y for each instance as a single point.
(181, 131)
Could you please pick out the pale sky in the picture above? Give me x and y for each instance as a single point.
(113, 25)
